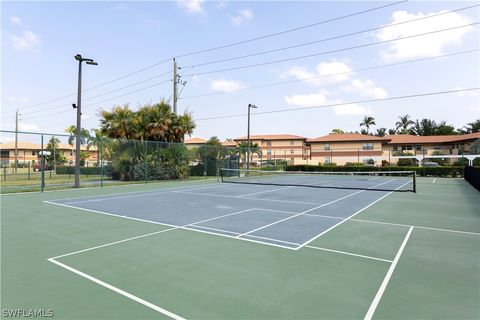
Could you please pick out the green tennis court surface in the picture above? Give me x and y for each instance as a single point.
(217, 251)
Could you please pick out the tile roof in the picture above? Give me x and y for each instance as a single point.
(195, 141)
(229, 144)
(23, 145)
(346, 137)
(407, 138)
(272, 137)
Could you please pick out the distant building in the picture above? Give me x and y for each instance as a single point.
(195, 142)
(29, 153)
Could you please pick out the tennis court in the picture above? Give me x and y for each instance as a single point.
(259, 246)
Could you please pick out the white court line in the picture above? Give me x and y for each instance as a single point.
(349, 253)
(112, 243)
(418, 227)
(384, 284)
(162, 224)
(98, 187)
(138, 194)
(271, 239)
(235, 197)
(434, 180)
(119, 291)
(306, 211)
(213, 229)
(219, 217)
(351, 216)
(254, 193)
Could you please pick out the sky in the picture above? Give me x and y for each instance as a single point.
(331, 60)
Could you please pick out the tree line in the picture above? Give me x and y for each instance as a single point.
(423, 127)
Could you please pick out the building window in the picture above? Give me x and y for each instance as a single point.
(395, 148)
(33, 153)
(292, 159)
(367, 146)
(292, 151)
(406, 148)
(269, 152)
(4, 154)
(328, 160)
(71, 152)
(418, 147)
(292, 142)
(437, 147)
(269, 143)
(327, 147)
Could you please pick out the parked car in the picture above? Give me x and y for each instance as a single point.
(431, 164)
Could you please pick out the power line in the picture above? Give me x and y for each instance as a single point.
(328, 39)
(99, 85)
(290, 30)
(105, 100)
(332, 74)
(103, 94)
(8, 103)
(331, 51)
(221, 47)
(342, 104)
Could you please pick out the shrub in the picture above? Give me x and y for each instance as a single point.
(408, 162)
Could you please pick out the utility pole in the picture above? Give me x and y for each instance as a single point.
(78, 106)
(175, 80)
(250, 106)
(16, 141)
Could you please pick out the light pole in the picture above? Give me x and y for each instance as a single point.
(250, 106)
(79, 58)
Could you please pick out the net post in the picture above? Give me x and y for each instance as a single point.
(42, 167)
(145, 161)
(100, 154)
(415, 181)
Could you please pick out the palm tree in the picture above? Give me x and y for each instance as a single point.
(367, 122)
(472, 127)
(119, 123)
(72, 130)
(404, 124)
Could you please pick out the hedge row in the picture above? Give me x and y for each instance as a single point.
(83, 170)
(450, 171)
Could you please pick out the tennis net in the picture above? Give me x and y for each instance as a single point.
(371, 180)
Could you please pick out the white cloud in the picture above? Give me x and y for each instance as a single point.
(16, 20)
(334, 67)
(472, 93)
(27, 41)
(242, 17)
(191, 6)
(225, 85)
(475, 109)
(422, 46)
(307, 100)
(326, 72)
(366, 88)
(27, 126)
(352, 109)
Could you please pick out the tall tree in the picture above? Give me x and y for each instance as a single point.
(367, 122)
(404, 124)
(392, 131)
(471, 127)
(56, 157)
(424, 127)
(445, 129)
(72, 130)
(151, 122)
(381, 132)
(337, 131)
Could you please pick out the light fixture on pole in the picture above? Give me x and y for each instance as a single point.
(250, 106)
(78, 106)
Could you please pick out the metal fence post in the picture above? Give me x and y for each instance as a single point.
(42, 166)
(101, 162)
(145, 161)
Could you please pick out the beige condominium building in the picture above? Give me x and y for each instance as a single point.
(343, 148)
(272, 147)
(29, 153)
